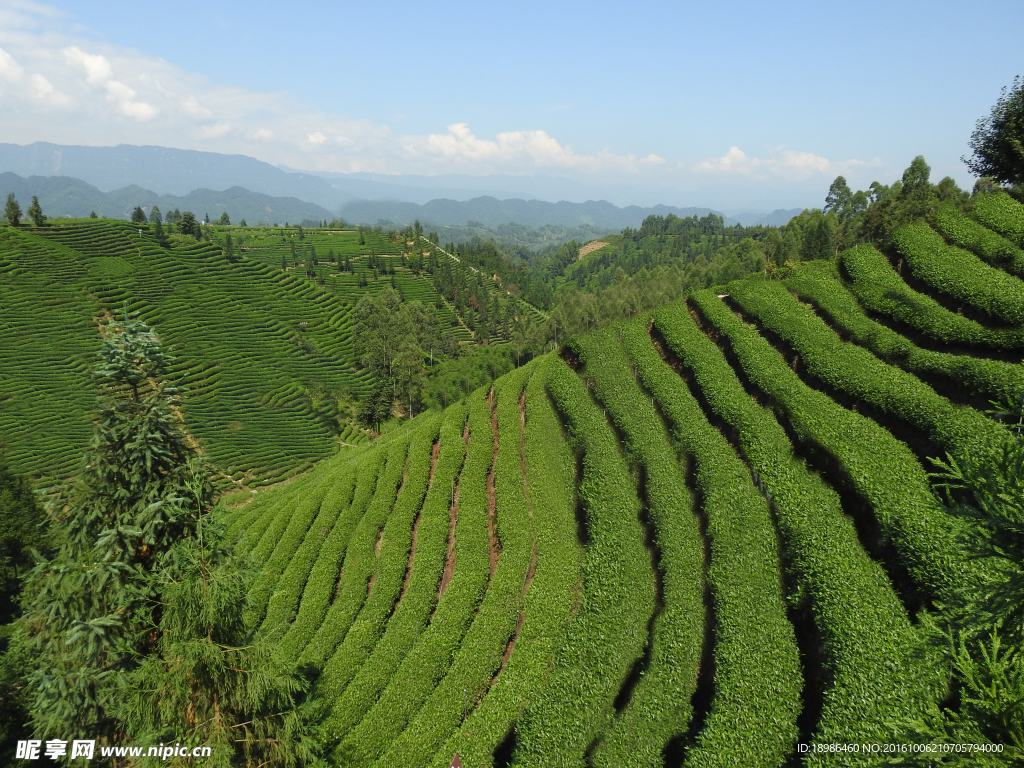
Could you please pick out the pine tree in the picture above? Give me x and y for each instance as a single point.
(154, 215)
(138, 215)
(229, 249)
(13, 211)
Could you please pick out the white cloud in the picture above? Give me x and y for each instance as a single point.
(535, 149)
(215, 131)
(192, 107)
(9, 68)
(43, 90)
(786, 163)
(124, 96)
(97, 67)
(263, 134)
(99, 72)
(316, 138)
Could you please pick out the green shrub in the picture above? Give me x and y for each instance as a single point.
(883, 470)
(550, 600)
(864, 629)
(854, 370)
(1000, 212)
(432, 655)
(875, 283)
(818, 282)
(608, 632)
(419, 595)
(960, 274)
(965, 232)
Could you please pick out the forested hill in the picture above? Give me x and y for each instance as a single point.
(700, 537)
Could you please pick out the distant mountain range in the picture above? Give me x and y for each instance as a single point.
(113, 180)
(65, 196)
(491, 212)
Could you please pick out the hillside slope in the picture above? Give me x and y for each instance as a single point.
(698, 538)
(252, 343)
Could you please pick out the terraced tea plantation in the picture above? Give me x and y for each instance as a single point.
(261, 352)
(698, 538)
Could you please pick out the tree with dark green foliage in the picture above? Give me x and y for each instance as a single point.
(35, 213)
(92, 215)
(210, 677)
(380, 326)
(997, 144)
(23, 528)
(154, 215)
(229, 249)
(188, 225)
(13, 211)
(158, 232)
(376, 407)
(224, 220)
(242, 223)
(130, 620)
(838, 197)
(138, 215)
(90, 609)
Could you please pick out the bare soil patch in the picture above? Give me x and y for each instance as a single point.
(592, 246)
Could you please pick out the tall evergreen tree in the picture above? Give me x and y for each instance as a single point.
(136, 622)
(154, 215)
(22, 529)
(35, 212)
(188, 225)
(12, 212)
(90, 608)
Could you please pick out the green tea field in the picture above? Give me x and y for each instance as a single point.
(699, 538)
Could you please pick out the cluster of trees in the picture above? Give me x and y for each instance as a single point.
(12, 212)
(133, 620)
(399, 342)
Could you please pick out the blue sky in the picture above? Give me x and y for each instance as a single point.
(766, 101)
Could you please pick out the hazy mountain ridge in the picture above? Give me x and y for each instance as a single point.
(492, 212)
(107, 179)
(62, 196)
